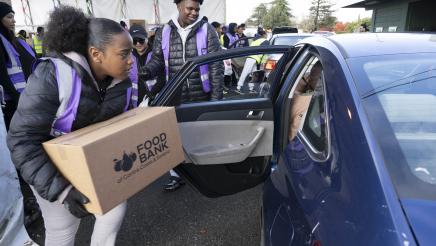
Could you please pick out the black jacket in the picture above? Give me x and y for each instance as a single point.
(192, 89)
(26, 60)
(142, 86)
(231, 29)
(31, 124)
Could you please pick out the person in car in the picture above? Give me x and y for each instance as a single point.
(302, 97)
(97, 52)
(177, 42)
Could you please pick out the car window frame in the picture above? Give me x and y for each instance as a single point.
(313, 152)
(170, 90)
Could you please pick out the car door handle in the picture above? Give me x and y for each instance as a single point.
(255, 114)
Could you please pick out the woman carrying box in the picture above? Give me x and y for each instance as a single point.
(84, 82)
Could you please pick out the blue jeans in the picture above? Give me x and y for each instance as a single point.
(11, 203)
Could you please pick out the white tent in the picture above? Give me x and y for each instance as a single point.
(152, 11)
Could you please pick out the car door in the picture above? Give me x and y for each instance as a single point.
(325, 176)
(304, 146)
(228, 143)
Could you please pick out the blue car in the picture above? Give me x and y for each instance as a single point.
(342, 134)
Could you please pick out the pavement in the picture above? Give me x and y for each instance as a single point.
(182, 217)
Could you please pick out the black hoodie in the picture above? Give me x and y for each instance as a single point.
(232, 32)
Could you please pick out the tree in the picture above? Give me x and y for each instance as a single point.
(306, 24)
(354, 26)
(339, 27)
(321, 14)
(259, 13)
(278, 15)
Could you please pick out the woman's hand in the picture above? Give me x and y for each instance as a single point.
(74, 203)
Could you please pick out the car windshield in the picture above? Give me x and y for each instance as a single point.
(288, 40)
(399, 96)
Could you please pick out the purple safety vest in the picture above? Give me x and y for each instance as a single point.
(13, 65)
(201, 49)
(133, 75)
(232, 39)
(69, 88)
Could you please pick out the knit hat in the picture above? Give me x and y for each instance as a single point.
(5, 9)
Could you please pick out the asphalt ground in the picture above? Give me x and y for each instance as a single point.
(182, 217)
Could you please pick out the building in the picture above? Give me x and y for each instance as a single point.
(400, 15)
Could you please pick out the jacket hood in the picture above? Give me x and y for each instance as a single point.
(175, 23)
(81, 60)
(232, 28)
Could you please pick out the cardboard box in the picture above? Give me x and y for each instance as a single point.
(140, 22)
(112, 160)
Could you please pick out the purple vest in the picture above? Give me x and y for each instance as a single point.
(69, 88)
(232, 39)
(13, 65)
(201, 49)
(133, 75)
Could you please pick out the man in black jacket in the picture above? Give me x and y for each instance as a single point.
(183, 46)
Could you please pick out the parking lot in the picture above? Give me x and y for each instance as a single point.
(185, 217)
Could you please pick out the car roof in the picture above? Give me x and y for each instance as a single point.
(292, 35)
(373, 44)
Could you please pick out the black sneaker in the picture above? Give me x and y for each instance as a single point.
(173, 183)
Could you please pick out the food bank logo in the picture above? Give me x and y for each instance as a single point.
(126, 163)
(147, 152)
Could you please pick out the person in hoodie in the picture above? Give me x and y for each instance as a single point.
(183, 46)
(97, 52)
(241, 36)
(231, 36)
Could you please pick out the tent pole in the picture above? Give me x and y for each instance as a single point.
(123, 9)
(225, 12)
(156, 12)
(89, 7)
(28, 20)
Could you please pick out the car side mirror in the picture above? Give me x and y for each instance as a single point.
(257, 76)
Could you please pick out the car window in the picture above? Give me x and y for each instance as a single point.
(238, 78)
(399, 98)
(307, 111)
(287, 40)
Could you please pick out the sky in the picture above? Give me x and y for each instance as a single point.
(236, 10)
(239, 10)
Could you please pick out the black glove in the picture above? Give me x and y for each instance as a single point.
(144, 74)
(74, 203)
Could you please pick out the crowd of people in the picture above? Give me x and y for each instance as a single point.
(108, 62)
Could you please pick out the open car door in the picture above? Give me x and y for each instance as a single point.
(228, 143)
